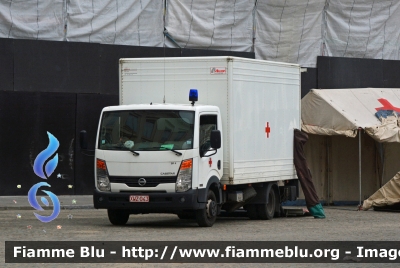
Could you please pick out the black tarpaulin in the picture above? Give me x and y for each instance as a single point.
(303, 172)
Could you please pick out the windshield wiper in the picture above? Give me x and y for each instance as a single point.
(123, 147)
(134, 152)
(172, 150)
(164, 148)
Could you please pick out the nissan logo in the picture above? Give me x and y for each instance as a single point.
(142, 181)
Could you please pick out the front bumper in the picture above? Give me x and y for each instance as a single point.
(158, 202)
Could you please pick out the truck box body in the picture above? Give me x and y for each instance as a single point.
(259, 103)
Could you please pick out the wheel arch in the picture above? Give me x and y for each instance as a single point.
(263, 192)
(214, 185)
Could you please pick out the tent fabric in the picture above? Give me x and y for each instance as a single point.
(362, 29)
(217, 24)
(123, 22)
(289, 31)
(293, 31)
(344, 111)
(41, 19)
(328, 132)
(387, 195)
(388, 131)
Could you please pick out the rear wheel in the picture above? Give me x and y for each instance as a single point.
(206, 217)
(118, 216)
(267, 211)
(252, 212)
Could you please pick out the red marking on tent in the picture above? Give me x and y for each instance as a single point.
(267, 129)
(387, 106)
(210, 162)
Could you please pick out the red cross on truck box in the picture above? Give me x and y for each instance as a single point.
(267, 129)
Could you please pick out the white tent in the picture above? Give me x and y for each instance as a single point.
(344, 111)
(388, 195)
(348, 111)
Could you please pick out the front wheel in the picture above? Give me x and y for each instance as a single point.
(206, 217)
(118, 216)
(186, 215)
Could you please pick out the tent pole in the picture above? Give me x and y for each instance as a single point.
(359, 163)
(383, 172)
(328, 171)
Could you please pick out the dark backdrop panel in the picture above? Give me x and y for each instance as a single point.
(6, 64)
(109, 62)
(88, 108)
(336, 72)
(391, 73)
(308, 81)
(45, 66)
(57, 116)
(51, 66)
(18, 125)
(25, 119)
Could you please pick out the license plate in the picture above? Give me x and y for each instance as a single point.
(139, 198)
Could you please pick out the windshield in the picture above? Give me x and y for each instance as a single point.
(144, 130)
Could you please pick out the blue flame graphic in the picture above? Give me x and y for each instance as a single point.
(45, 171)
(40, 160)
(54, 199)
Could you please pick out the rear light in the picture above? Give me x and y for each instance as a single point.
(184, 179)
(102, 180)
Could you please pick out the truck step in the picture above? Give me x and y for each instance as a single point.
(295, 212)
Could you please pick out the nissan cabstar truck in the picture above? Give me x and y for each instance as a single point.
(197, 136)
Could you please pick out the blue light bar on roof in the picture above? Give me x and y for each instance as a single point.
(193, 95)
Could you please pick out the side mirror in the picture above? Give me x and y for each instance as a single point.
(215, 139)
(83, 140)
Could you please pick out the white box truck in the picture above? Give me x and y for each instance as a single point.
(194, 136)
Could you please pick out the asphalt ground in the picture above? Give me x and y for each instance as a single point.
(78, 221)
(66, 202)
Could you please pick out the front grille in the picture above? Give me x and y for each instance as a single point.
(150, 181)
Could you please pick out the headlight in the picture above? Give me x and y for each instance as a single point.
(103, 182)
(184, 180)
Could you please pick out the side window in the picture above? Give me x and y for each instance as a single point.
(207, 123)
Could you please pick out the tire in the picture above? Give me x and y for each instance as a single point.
(252, 212)
(186, 215)
(280, 212)
(118, 216)
(206, 217)
(267, 211)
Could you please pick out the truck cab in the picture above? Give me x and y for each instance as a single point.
(159, 158)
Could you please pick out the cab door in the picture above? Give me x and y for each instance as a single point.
(210, 160)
